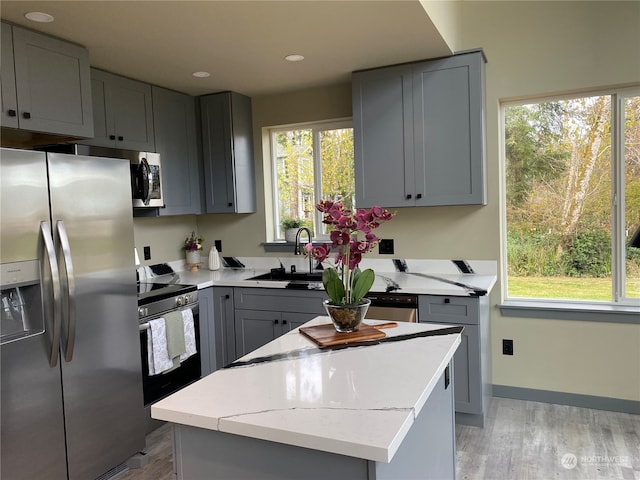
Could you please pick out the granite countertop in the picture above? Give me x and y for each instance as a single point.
(349, 401)
(416, 281)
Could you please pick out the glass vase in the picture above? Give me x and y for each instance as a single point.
(347, 317)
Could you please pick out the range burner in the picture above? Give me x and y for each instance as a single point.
(159, 282)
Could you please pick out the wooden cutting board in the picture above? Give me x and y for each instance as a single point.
(326, 335)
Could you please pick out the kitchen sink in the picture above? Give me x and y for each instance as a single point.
(289, 277)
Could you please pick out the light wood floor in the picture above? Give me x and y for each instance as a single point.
(521, 440)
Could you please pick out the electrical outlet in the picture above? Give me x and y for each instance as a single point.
(147, 252)
(218, 244)
(385, 246)
(507, 347)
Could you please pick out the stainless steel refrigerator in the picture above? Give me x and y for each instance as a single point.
(71, 381)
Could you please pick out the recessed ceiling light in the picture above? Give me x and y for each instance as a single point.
(201, 74)
(294, 58)
(39, 17)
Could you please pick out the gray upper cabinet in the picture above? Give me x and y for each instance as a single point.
(8, 79)
(174, 120)
(227, 145)
(122, 112)
(46, 84)
(419, 133)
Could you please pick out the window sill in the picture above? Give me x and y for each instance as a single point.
(586, 312)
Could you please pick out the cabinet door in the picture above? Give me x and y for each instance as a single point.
(224, 331)
(291, 320)
(207, 331)
(227, 145)
(123, 112)
(255, 328)
(53, 85)
(9, 117)
(383, 145)
(449, 131)
(174, 121)
(467, 376)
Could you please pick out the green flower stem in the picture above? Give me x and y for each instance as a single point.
(346, 275)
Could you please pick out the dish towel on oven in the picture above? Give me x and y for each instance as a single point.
(189, 334)
(170, 341)
(175, 336)
(157, 355)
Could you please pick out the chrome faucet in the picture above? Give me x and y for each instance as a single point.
(298, 249)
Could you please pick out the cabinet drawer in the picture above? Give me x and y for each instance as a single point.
(280, 300)
(448, 309)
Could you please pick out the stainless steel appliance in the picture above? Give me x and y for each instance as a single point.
(145, 170)
(397, 307)
(71, 388)
(157, 297)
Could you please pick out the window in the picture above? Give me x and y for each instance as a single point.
(572, 170)
(307, 159)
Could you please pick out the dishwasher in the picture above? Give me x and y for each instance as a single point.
(394, 307)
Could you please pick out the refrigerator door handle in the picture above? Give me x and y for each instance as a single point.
(70, 296)
(55, 284)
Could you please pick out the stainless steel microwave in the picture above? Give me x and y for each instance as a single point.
(146, 171)
(146, 180)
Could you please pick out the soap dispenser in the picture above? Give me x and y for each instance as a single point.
(214, 259)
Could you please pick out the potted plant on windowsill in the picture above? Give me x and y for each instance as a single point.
(346, 285)
(290, 226)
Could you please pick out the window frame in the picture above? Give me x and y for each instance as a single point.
(590, 310)
(316, 128)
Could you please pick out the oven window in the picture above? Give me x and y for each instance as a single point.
(159, 386)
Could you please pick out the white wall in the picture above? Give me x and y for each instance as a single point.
(539, 48)
(446, 16)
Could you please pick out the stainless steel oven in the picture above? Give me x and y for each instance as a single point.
(154, 301)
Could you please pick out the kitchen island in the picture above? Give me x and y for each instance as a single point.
(292, 410)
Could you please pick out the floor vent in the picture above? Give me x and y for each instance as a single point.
(113, 472)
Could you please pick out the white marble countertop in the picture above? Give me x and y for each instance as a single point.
(359, 401)
(411, 282)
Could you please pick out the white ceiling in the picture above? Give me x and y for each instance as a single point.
(241, 43)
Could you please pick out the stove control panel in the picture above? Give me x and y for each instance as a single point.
(183, 300)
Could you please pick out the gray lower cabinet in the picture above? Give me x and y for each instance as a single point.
(217, 330)
(255, 328)
(227, 146)
(472, 360)
(419, 133)
(174, 121)
(262, 314)
(46, 84)
(122, 112)
(207, 331)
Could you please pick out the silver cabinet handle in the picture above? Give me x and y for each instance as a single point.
(49, 249)
(70, 296)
